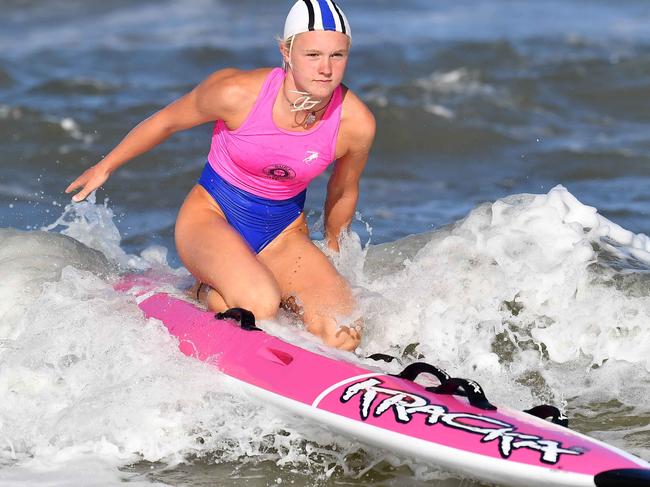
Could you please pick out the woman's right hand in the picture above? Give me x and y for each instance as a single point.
(205, 103)
(91, 179)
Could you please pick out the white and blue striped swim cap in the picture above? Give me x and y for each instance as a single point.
(306, 15)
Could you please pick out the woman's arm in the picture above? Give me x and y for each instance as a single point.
(343, 186)
(210, 100)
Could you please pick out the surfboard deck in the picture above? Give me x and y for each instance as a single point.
(504, 446)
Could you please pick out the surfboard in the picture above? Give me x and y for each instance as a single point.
(395, 413)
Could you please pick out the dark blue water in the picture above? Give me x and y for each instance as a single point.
(475, 100)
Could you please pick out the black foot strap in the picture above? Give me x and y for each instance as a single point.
(472, 390)
(465, 387)
(245, 318)
(545, 411)
(449, 385)
(412, 372)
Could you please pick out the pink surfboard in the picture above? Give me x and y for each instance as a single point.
(503, 445)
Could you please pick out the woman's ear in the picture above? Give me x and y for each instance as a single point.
(285, 52)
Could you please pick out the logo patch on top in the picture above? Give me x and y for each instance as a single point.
(279, 172)
(310, 156)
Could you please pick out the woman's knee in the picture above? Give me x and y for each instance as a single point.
(263, 304)
(262, 300)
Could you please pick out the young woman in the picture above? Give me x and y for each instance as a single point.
(241, 230)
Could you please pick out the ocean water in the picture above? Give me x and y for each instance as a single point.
(500, 231)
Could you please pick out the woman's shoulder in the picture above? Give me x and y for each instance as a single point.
(241, 80)
(356, 117)
(233, 88)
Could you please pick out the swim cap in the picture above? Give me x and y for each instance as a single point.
(306, 15)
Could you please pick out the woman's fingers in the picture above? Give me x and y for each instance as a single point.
(88, 187)
(89, 181)
(81, 195)
(76, 184)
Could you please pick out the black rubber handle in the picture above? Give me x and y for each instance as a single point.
(245, 318)
(624, 477)
(382, 357)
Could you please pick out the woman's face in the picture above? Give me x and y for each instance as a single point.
(318, 61)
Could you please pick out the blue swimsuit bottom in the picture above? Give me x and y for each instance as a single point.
(259, 220)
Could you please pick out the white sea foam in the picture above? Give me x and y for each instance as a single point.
(93, 226)
(87, 382)
(71, 126)
(457, 81)
(516, 295)
(526, 290)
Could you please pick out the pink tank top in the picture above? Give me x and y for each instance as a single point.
(268, 161)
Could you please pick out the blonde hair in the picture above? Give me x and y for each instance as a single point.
(288, 45)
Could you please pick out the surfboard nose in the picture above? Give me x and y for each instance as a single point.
(624, 477)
